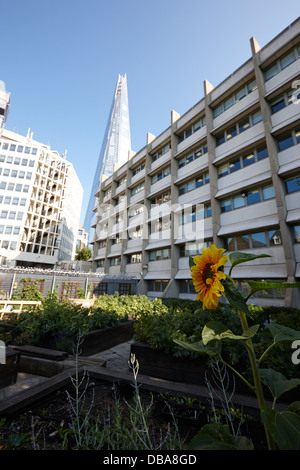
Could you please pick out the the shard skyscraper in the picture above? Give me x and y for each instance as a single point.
(115, 146)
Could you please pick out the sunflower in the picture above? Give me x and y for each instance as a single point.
(207, 276)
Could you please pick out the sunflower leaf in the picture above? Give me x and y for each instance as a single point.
(234, 296)
(200, 348)
(237, 257)
(216, 331)
(257, 286)
(191, 261)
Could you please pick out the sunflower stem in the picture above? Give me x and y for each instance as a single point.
(256, 377)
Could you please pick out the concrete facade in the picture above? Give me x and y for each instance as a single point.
(226, 172)
(40, 201)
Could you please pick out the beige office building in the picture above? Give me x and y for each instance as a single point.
(226, 172)
(40, 203)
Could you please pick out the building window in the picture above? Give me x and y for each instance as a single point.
(160, 152)
(135, 258)
(296, 229)
(239, 127)
(193, 248)
(160, 254)
(194, 183)
(262, 239)
(192, 156)
(137, 189)
(138, 169)
(157, 285)
(161, 174)
(124, 288)
(247, 198)
(100, 288)
(241, 162)
(191, 129)
(116, 261)
(292, 184)
(281, 63)
(235, 98)
(164, 197)
(186, 286)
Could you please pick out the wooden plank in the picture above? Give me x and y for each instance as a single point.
(41, 352)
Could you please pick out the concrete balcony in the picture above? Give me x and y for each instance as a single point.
(236, 109)
(160, 185)
(240, 179)
(289, 73)
(198, 135)
(289, 159)
(237, 143)
(198, 195)
(285, 116)
(256, 216)
(139, 176)
(191, 168)
(161, 161)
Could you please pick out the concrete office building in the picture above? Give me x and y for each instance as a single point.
(4, 105)
(226, 172)
(40, 201)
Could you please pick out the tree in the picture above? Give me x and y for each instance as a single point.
(84, 254)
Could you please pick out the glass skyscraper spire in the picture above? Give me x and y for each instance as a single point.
(115, 146)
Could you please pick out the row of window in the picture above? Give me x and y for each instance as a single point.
(16, 174)
(247, 198)
(288, 139)
(235, 98)
(192, 156)
(238, 128)
(292, 184)
(186, 286)
(162, 254)
(242, 161)
(16, 160)
(14, 187)
(161, 174)
(18, 148)
(191, 129)
(282, 63)
(9, 229)
(262, 239)
(9, 245)
(195, 213)
(193, 184)
(161, 152)
(15, 201)
(11, 215)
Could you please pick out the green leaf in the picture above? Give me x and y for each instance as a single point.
(257, 286)
(191, 261)
(218, 437)
(216, 331)
(234, 296)
(284, 428)
(277, 382)
(282, 333)
(199, 347)
(237, 257)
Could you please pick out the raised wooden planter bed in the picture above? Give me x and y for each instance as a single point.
(9, 370)
(101, 340)
(156, 363)
(95, 341)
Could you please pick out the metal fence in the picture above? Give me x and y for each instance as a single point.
(67, 284)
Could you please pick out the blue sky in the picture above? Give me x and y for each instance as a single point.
(60, 60)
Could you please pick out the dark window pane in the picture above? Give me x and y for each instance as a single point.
(259, 240)
(293, 185)
(248, 159)
(253, 197)
(262, 153)
(242, 242)
(285, 142)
